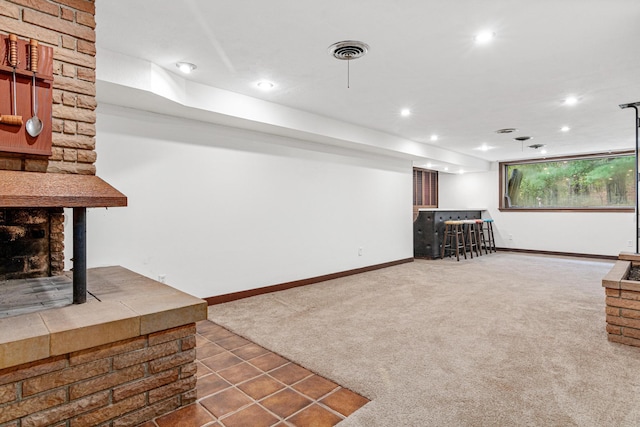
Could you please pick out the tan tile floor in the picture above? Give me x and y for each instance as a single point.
(243, 384)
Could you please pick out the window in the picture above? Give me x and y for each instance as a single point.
(596, 182)
(425, 188)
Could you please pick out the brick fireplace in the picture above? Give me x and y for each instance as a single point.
(127, 354)
(67, 27)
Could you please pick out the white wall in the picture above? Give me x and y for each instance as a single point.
(220, 210)
(595, 233)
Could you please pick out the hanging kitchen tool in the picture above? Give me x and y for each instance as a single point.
(34, 124)
(13, 119)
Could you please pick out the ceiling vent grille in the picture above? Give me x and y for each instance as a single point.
(348, 50)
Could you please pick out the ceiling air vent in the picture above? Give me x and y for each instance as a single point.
(348, 49)
(506, 130)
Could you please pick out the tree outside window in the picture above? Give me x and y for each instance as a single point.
(595, 182)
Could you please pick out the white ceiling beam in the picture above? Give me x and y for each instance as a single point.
(136, 83)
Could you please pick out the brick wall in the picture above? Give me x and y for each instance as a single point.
(623, 315)
(125, 383)
(623, 301)
(68, 26)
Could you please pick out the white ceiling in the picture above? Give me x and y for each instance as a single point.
(422, 56)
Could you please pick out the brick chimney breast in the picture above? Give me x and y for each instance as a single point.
(32, 240)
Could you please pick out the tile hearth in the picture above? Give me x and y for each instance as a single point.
(22, 296)
(243, 384)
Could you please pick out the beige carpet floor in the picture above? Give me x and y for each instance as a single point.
(501, 340)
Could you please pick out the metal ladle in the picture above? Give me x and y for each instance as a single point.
(34, 124)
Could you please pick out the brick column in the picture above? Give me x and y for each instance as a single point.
(623, 301)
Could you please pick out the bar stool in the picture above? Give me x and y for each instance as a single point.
(482, 241)
(453, 232)
(471, 237)
(491, 241)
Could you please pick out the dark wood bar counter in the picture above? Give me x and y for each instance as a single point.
(429, 227)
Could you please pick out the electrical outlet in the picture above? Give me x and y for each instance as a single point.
(510, 236)
(360, 251)
(162, 278)
(629, 243)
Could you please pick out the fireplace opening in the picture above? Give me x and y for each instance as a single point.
(32, 227)
(31, 243)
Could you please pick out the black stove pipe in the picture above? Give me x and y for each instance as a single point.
(635, 105)
(79, 255)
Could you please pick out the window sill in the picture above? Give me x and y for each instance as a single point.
(566, 210)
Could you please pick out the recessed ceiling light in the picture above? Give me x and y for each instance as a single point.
(405, 112)
(484, 37)
(461, 171)
(446, 168)
(484, 147)
(543, 151)
(428, 165)
(265, 85)
(434, 137)
(565, 129)
(571, 100)
(186, 67)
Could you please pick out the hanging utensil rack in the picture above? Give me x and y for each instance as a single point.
(14, 138)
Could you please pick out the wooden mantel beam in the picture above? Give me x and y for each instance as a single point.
(33, 189)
